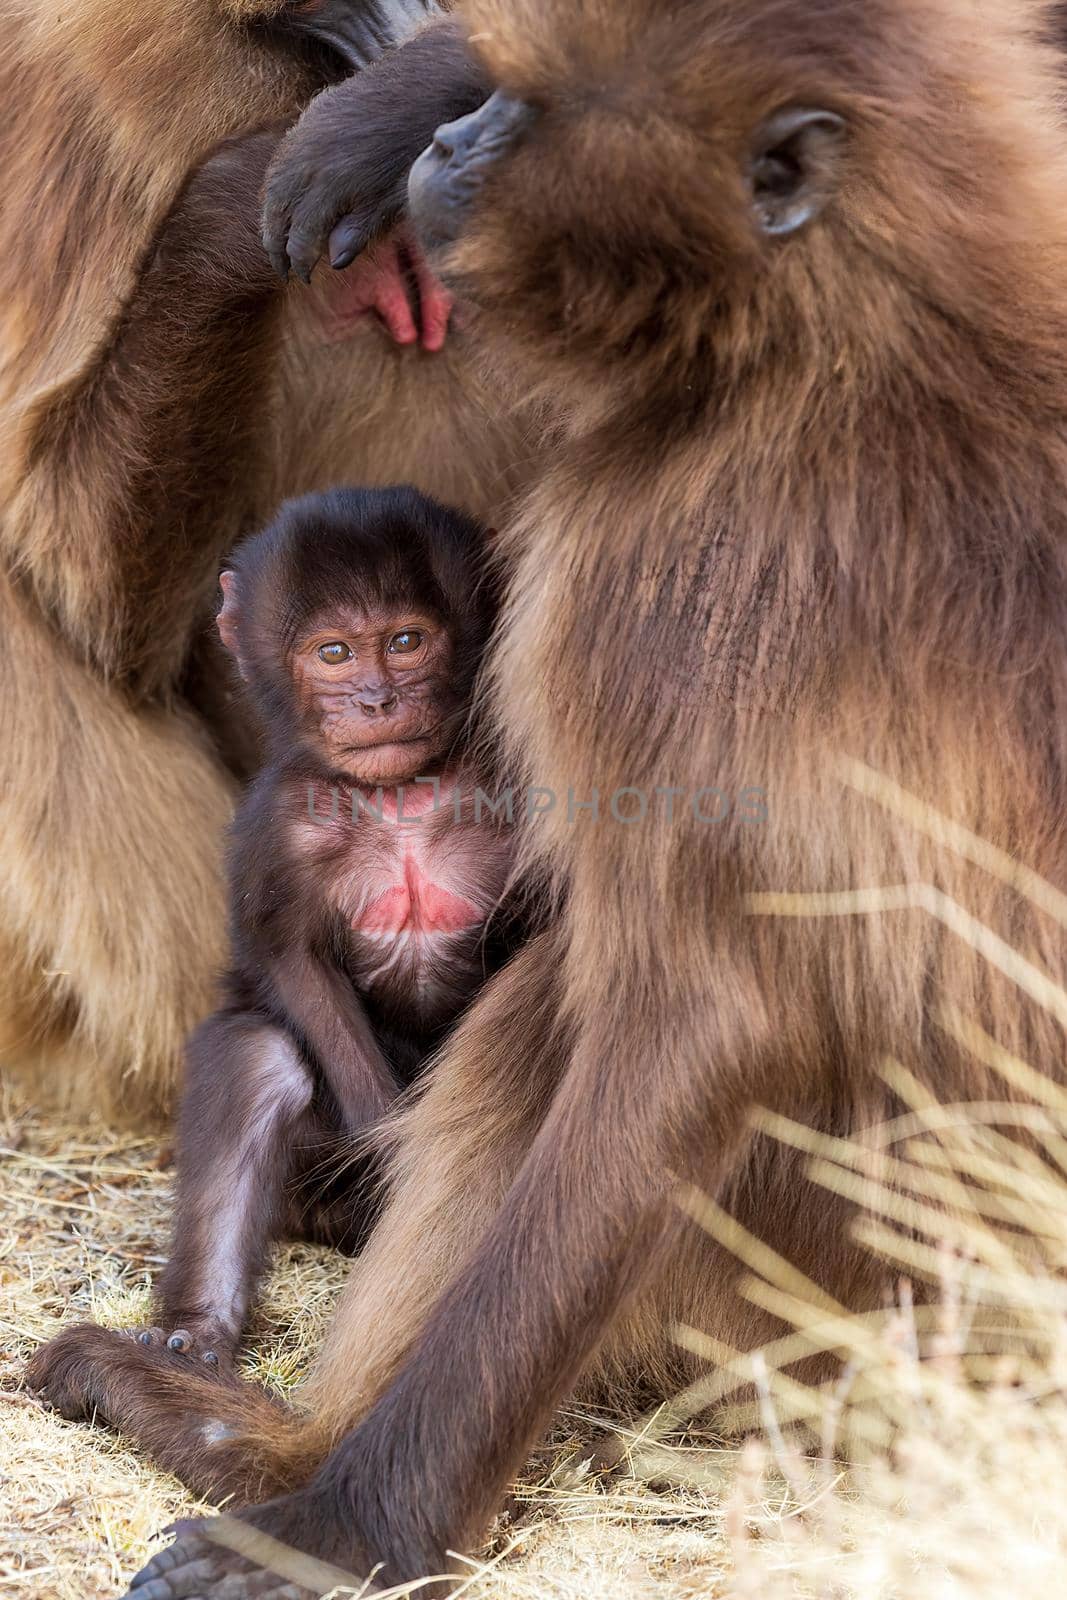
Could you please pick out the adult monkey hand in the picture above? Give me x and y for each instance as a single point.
(338, 184)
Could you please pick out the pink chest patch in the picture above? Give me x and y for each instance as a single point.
(417, 906)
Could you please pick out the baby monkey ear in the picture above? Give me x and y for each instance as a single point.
(229, 617)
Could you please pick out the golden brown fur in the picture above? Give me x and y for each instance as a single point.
(807, 519)
(112, 796)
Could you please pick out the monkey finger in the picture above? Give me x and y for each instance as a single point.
(349, 239)
(191, 1581)
(180, 1572)
(276, 216)
(356, 230)
(327, 206)
(274, 231)
(312, 221)
(279, 260)
(304, 255)
(258, 1586)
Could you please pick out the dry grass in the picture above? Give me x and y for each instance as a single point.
(955, 1417)
(952, 1416)
(83, 1224)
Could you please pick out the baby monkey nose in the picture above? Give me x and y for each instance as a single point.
(376, 699)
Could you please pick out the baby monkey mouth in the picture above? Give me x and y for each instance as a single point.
(387, 741)
(415, 736)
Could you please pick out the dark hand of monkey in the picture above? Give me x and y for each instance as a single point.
(339, 181)
(253, 1555)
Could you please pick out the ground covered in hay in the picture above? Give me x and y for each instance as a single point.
(83, 1228)
(952, 1415)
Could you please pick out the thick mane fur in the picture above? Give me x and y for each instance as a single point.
(815, 494)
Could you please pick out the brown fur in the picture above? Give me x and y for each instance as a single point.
(325, 1015)
(808, 518)
(137, 445)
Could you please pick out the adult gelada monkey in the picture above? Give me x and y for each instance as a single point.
(368, 866)
(790, 277)
(160, 392)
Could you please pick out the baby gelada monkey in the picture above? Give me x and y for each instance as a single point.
(366, 880)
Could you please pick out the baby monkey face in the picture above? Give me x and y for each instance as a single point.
(376, 692)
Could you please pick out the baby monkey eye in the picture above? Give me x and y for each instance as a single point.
(401, 643)
(334, 652)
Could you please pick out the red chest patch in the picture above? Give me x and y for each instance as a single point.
(417, 906)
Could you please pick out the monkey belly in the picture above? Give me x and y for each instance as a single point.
(418, 979)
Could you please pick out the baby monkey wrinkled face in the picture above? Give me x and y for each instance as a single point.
(358, 620)
(378, 692)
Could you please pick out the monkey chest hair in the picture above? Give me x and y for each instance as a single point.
(414, 888)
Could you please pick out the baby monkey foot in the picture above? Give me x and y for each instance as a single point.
(88, 1371)
(207, 1344)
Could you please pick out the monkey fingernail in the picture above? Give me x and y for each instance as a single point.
(345, 243)
(210, 1357)
(302, 259)
(149, 1335)
(180, 1341)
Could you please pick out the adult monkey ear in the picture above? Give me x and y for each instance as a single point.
(229, 618)
(793, 171)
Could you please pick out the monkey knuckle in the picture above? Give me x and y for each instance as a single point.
(323, 201)
(181, 1572)
(310, 207)
(281, 190)
(289, 176)
(304, 230)
(274, 220)
(279, 203)
(304, 253)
